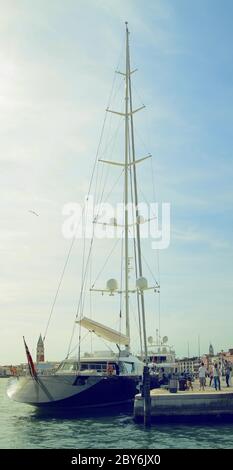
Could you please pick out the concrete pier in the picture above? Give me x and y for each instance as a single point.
(189, 403)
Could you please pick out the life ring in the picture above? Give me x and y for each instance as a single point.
(13, 370)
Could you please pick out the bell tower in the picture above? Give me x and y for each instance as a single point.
(40, 350)
(211, 350)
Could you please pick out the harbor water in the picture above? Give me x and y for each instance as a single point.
(21, 427)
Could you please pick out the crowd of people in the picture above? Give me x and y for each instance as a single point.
(163, 377)
(211, 377)
(214, 373)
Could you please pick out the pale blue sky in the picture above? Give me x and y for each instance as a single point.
(57, 60)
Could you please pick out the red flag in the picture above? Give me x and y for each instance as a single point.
(31, 366)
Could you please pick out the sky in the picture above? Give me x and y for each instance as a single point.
(57, 61)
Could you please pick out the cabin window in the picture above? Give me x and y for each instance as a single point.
(127, 367)
(67, 367)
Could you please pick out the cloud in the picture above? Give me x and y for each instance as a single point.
(56, 65)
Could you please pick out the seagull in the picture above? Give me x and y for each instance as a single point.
(33, 212)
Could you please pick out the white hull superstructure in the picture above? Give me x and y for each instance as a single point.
(161, 354)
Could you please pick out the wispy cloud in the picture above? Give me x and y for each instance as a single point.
(56, 65)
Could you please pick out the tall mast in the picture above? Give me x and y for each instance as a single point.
(138, 239)
(126, 183)
(146, 373)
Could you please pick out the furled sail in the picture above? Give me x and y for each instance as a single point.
(104, 331)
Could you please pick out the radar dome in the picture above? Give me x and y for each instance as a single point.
(142, 283)
(112, 285)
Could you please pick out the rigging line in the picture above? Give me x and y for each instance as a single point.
(96, 160)
(107, 346)
(136, 92)
(112, 139)
(99, 185)
(142, 141)
(90, 297)
(85, 336)
(101, 136)
(122, 48)
(112, 250)
(79, 350)
(109, 153)
(134, 315)
(135, 257)
(156, 251)
(113, 186)
(139, 135)
(159, 306)
(147, 202)
(121, 269)
(80, 296)
(89, 332)
(58, 288)
(77, 344)
(121, 280)
(96, 181)
(89, 190)
(153, 179)
(99, 202)
(83, 255)
(111, 95)
(84, 290)
(114, 93)
(108, 169)
(90, 282)
(148, 266)
(146, 121)
(72, 241)
(120, 84)
(111, 120)
(84, 279)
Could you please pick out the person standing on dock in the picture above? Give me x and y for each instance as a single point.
(217, 377)
(202, 376)
(228, 373)
(211, 375)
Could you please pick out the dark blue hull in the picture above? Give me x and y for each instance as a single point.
(110, 391)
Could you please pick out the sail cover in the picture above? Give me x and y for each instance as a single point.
(104, 331)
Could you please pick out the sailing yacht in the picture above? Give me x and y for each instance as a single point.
(95, 381)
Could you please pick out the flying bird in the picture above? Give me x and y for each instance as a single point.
(33, 212)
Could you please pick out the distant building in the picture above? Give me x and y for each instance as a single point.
(188, 364)
(222, 358)
(40, 350)
(211, 350)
